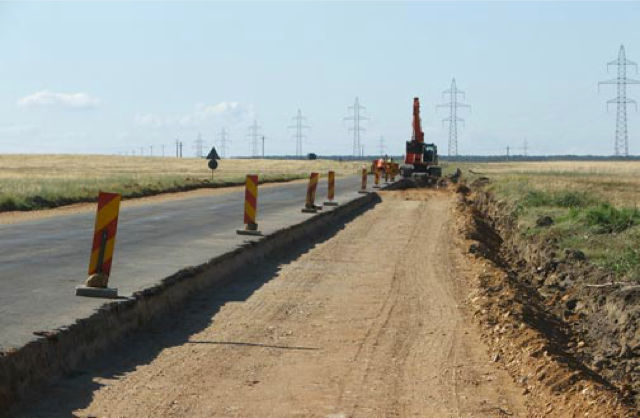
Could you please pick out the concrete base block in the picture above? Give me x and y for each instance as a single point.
(332, 203)
(376, 187)
(309, 210)
(97, 292)
(364, 191)
(248, 232)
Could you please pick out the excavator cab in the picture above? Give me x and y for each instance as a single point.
(430, 154)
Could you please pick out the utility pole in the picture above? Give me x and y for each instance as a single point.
(621, 100)
(163, 150)
(198, 146)
(381, 144)
(525, 147)
(254, 132)
(453, 118)
(223, 142)
(151, 150)
(181, 144)
(507, 153)
(177, 148)
(362, 150)
(357, 118)
(299, 135)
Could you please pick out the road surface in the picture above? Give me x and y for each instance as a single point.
(42, 261)
(368, 324)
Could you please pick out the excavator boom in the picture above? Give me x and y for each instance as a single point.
(418, 135)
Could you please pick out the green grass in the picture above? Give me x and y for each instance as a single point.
(594, 214)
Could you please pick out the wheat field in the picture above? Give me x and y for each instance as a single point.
(37, 181)
(615, 181)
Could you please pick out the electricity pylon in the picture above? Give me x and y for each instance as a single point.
(621, 100)
(254, 132)
(299, 135)
(453, 118)
(357, 117)
(223, 142)
(199, 145)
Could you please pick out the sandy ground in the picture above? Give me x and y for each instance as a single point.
(369, 323)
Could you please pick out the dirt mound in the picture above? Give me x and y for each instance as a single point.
(416, 182)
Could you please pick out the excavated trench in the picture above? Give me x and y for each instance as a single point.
(578, 333)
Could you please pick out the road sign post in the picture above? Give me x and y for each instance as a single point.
(104, 239)
(331, 189)
(376, 184)
(250, 206)
(310, 203)
(363, 187)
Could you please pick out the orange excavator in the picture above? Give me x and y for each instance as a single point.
(420, 159)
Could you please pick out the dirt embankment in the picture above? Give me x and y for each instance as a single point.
(540, 320)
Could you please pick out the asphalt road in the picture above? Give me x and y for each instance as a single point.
(42, 261)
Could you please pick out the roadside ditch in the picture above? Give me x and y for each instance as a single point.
(564, 330)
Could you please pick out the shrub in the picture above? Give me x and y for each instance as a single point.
(573, 199)
(606, 219)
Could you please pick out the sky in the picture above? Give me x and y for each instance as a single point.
(122, 77)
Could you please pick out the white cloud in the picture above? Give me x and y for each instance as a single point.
(19, 130)
(51, 99)
(223, 112)
(149, 120)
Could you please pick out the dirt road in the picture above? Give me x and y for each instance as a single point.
(369, 323)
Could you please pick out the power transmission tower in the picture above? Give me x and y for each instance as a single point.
(453, 118)
(254, 132)
(223, 142)
(177, 148)
(151, 150)
(507, 153)
(381, 144)
(525, 147)
(198, 145)
(622, 137)
(299, 135)
(357, 117)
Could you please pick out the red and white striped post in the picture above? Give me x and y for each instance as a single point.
(363, 187)
(376, 184)
(250, 206)
(331, 189)
(310, 203)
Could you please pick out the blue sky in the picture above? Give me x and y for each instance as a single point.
(97, 77)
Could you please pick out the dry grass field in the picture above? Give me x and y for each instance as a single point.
(30, 182)
(594, 205)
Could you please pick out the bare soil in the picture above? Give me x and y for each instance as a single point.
(369, 323)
